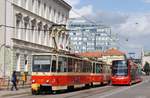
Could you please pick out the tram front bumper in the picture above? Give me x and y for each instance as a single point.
(120, 80)
(35, 87)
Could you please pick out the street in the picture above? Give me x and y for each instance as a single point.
(140, 90)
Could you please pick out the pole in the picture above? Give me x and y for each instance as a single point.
(5, 39)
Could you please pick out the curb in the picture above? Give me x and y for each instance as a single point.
(16, 94)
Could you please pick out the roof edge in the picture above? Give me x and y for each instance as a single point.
(65, 3)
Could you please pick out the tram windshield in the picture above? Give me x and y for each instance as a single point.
(41, 64)
(120, 68)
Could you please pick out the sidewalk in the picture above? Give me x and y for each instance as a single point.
(20, 91)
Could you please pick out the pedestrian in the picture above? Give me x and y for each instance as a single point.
(24, 79)
(14, 81)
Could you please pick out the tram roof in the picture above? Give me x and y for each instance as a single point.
(71, 55)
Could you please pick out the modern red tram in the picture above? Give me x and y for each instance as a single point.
(52, 72)
(125, 72)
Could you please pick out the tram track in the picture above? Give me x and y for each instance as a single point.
(85, 94)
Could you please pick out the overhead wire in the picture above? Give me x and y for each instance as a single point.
(84, 17)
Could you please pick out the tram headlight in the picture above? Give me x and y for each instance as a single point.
(47, 81)
(33, 81)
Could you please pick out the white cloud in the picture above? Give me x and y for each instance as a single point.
(84, 11)
(78, 12)
(132, 26)
(146, 1)
(135, 25)
(73, 3)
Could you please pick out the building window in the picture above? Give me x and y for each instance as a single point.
(39, 35)
(17, 29)
(19, 2)
(24, 67)
(45, 11)
(18, 62)
(26, 4)
(54, 16)
(44, 37)
(25, 31)
(33, 5)
(32, 33)
(59, 18)
(39, 7)
(62, 18)
(50, 13)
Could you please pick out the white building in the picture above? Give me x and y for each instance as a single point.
(86, 36)
(25, 27)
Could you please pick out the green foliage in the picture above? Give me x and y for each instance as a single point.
(147, 68)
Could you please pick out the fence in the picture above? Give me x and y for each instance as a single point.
(5, 83)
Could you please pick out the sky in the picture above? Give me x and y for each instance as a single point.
(129, 19)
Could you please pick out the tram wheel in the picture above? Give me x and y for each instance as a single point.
(70, 88)
(130, 84)
(87, 86)
(91, 84)
(35, 92)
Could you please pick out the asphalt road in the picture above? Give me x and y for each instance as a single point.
(140, 90)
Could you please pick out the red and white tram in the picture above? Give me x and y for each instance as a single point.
(52, 72)
(125, 72)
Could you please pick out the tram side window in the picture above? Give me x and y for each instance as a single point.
(79, 66)
(84, 66)
(53, 66)
(93, 67)
(62, 64)
(65, 64)
(76, 66)
(98, 68)
(90, 67)
(87, 67)
(71, 65)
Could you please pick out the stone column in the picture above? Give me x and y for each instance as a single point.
(26, 31)
(45, 34)
(34, 31)
(39, 32)
(19, 21)
(50, 38)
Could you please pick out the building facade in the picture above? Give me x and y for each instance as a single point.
(26, 28)
(87, 36)
(145, 58)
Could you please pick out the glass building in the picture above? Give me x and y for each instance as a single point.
(86, 36)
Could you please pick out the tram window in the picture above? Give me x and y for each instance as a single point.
(120, 68)
(84, 66)
(35, 68)
(90, 67)
(41, 64)
(60, 67)
(53, 66)
(79, 66)
(98, 68)
(69, 65)
(87, 67)
(65, 64)
(62, 64)
(93, 67)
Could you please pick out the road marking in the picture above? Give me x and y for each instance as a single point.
(107, 94)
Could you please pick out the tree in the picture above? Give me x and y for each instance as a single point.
(147, 68)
